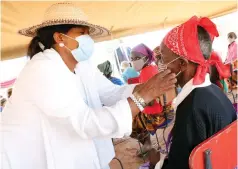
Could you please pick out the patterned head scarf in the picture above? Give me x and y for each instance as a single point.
(183, 41)
(144, 50)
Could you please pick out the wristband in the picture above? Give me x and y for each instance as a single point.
(140, 107)
(140, 100)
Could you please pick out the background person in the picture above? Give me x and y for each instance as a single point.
(128, 72)
(232, 48)
(231, 58)
(106, 69)
(147, 122)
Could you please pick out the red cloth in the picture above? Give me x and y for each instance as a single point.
(183, 41)
(134, 80)
(226, 68)
(147, 73)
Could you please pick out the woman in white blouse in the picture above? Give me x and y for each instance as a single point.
(48, 123)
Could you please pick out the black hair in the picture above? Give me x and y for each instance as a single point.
(232, 35)
(205, 42)
(45, 36)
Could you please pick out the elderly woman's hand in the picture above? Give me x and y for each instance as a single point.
(154, 157)
(157, 86)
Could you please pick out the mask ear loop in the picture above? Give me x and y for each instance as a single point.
(172, 61)
(69, 38)
(178, 73)
(163, 67)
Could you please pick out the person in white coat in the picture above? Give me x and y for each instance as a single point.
(95, 86)
(51, 122)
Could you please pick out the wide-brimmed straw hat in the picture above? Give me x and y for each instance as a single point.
(65, 13)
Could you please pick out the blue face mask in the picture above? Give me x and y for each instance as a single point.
(85, 48)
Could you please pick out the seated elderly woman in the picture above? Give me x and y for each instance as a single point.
(147, 123)
(202, 109)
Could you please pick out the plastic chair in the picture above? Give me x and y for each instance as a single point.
(217, 152)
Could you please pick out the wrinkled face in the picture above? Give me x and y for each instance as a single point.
(73, 33)
(178, 65)
(168, 58)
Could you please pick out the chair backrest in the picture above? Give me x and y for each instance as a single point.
(133, 80)
(217, 152)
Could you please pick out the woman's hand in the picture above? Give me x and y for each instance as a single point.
(154, 157)
(157, 86)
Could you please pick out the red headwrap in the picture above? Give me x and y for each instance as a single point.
(183, 41)
(225, 72)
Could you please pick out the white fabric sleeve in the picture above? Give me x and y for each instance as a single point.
(110, 93)
(56, 94)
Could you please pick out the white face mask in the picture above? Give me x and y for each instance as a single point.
(85, 48)
(138, 64)
(162, 67)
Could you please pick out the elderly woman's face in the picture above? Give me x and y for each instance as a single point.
(168, 58)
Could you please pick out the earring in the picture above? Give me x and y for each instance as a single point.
(61, 44)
